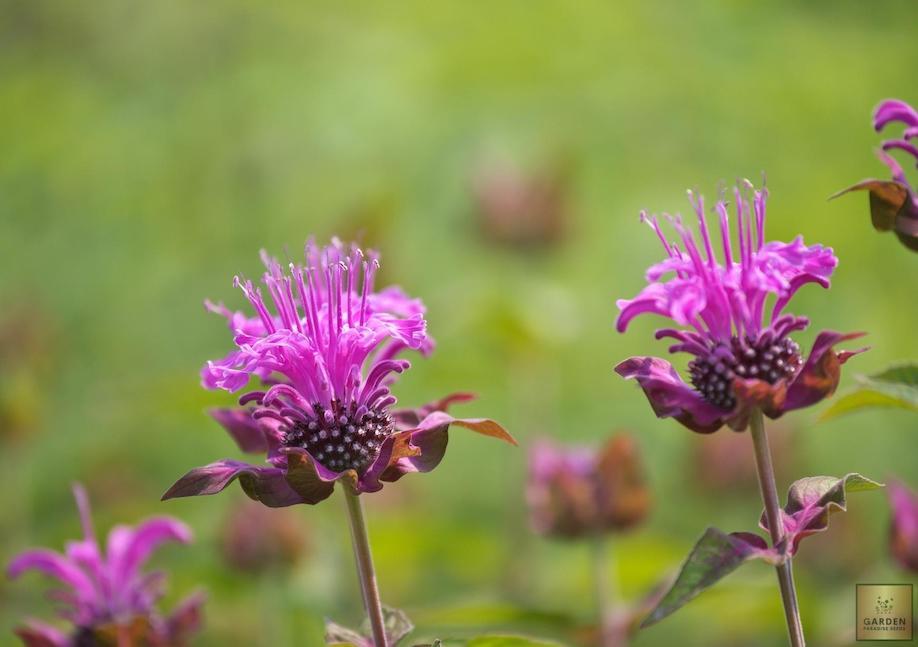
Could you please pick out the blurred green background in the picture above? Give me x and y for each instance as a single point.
(148, 150)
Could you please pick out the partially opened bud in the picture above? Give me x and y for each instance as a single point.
(578, 491)
(903, 536)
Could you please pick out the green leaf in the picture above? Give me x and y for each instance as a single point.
(497, 613)
(902, 374)
(812, 500)
(715, 556)
(896, 387)
(338, 636)
(397, 626)
(509, 641)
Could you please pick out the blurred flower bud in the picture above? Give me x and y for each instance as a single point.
(903, 536)
(521, 208)
(575, 492)
(257, 539)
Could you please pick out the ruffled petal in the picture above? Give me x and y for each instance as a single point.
(680, 300)
(819, 376)
(54, 565)
(265, 484)
(669, 396)
(894, 110)
(129, 548)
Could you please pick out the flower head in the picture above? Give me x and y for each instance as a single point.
(579, 491)
(107, 593)
(731, 319)
(894, 204)
(903, 536)
(326, 356)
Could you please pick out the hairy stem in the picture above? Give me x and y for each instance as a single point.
(769, 491)
(365, 571)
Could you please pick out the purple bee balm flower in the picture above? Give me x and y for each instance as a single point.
(894, 204)
(326, 357)
(903, 536)
(743, 355)
(106, 596)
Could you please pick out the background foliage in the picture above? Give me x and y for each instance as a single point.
(149, 149)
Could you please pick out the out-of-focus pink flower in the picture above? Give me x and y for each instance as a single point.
(519, 208)
(106, 596)
(903, 535)
(579, 491)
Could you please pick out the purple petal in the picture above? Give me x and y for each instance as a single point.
(819, 376)
(904, 508)
(902, 145)
(38, 634)
(265, 484)
(894, 110)
(903, 536)
(669, 396)
(391, 451)
(129, 548)
(54, 565)
(244, 429)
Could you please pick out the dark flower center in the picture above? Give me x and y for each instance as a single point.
(764, 359)
(349, 441)
(85, 637)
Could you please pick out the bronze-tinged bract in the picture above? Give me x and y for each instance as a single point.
(578, 491)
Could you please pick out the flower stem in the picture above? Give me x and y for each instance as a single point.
(605, 594)
(769, 491)
(365, 571)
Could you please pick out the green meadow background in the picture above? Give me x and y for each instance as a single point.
(148, 150)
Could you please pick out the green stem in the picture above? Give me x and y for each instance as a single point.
(769, 491)
(605, 593)
(365, 571)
